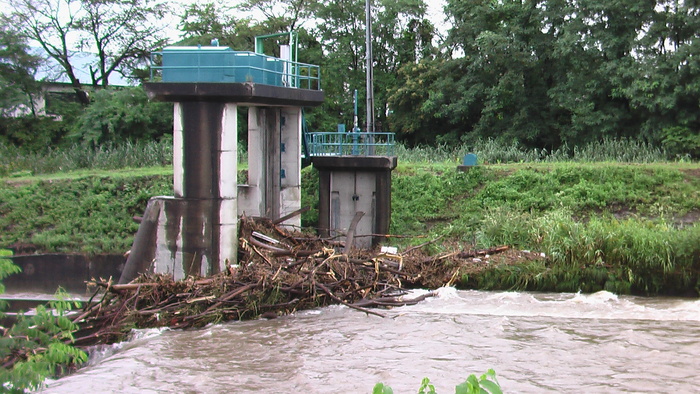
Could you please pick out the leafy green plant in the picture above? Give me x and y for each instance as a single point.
(37, 346)
(122, 115)
(381, 388)
(485, 384)
(6, 268)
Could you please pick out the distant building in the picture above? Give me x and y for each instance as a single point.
(57, 86)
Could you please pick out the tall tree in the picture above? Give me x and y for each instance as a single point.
(17, 68)
(401, 35)
(498, 86)
(120, 32)
(664, 86)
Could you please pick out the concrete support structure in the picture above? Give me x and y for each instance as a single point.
(351, 184)
(195, 232)
(274, 164)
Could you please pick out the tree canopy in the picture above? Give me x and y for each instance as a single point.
(17, 68)
(543, 73)
(553, 72)
(122, 33)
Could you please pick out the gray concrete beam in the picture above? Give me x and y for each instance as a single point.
(247, 93)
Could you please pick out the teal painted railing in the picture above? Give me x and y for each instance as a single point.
(221, 64)
(350, 144)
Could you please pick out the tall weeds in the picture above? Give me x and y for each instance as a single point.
(494, 151)
(631, 255)
(76, 157)
(157, 153)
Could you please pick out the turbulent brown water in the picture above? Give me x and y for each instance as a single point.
(564, 343)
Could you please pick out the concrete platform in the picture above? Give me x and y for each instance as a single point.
(242, 93)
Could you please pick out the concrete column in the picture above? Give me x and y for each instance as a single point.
(178, 152)
(261, 197)
(228, 190)
(251, 199)
(290, 163)
(196, 232)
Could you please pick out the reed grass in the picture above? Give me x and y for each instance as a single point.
(633, 255)
(15, 161)
(76, 157)
(493, 151)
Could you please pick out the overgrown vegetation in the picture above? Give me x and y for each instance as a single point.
(146, 153)
(485, 384)
(37, 346)
(633, 255)
(623, 227)
(495, 151)
(18, 162)
(44, 214)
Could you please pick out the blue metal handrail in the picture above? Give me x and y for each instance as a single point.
(351, 144)
(221, 64)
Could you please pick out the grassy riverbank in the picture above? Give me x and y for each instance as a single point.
(626, 228)
(602, 226)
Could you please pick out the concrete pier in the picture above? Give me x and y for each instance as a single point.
(195, 232)
(352, 184)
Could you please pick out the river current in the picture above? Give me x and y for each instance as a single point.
(536, 343)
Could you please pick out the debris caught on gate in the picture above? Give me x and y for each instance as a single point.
(277, 273)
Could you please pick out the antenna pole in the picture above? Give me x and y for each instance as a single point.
(370, 69)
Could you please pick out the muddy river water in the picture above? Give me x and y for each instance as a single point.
(536, 342)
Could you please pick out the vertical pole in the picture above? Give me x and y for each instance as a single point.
(355, 128)
(370, 68)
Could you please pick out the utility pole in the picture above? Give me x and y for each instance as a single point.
(370, 68)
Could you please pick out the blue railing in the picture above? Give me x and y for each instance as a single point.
(221, 64)
(350, 144)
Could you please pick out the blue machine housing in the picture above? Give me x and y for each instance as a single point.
(224, 65)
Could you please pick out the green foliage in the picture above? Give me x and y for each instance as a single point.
(76, 157)
(416, 209)
(604, 253)
(426, 387)
(32, 134)
(17, 68)
(552, 73)
(309, 196)
(126, 114)
(7, 267)
(485, 384)
(681, 141)
(592, 187)
(37, 346)
(381, 388)
(45, 213)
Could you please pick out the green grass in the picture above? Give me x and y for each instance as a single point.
(88, 214)
(640, 256)
(16, 162)
(603, 225)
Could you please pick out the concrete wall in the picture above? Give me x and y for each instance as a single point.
(274, 164)
(44, 273)
(351, 184)
(196, 231)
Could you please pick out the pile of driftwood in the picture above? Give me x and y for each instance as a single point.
(277, 273)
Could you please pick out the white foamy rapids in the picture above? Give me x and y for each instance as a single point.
(600, 305)
(147, 333)
(101, 352)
